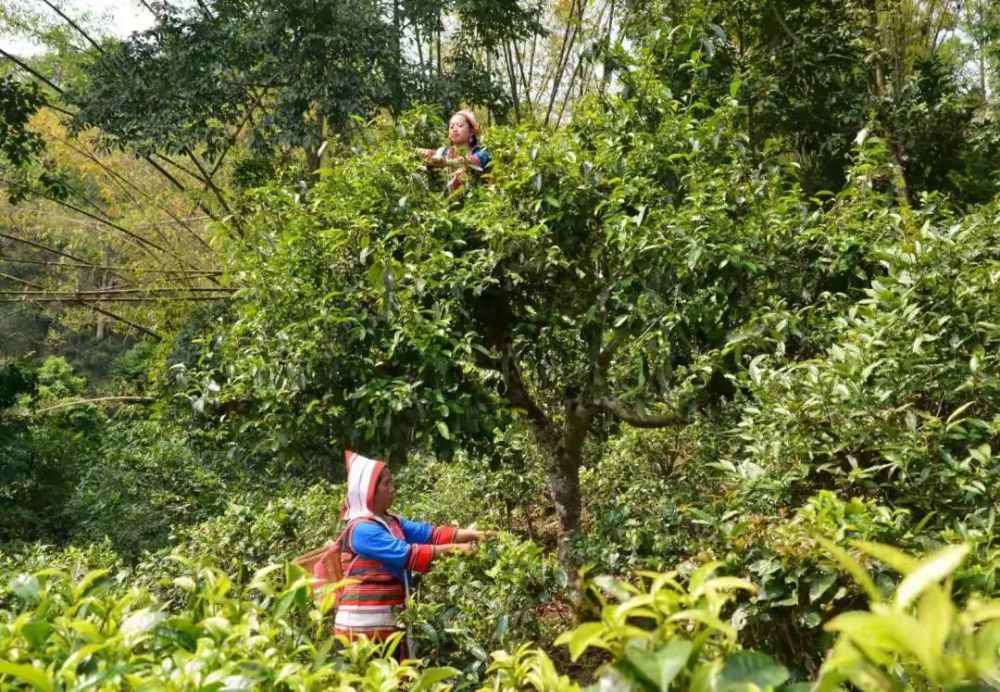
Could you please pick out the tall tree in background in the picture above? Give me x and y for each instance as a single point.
(813, 74)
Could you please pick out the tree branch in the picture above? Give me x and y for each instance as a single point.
(496, 319)
(82, 303)
(142, 242)
(124, 399)
(30, 70)
(183, 169)
(162, 171)
(58, 109)
(101, 267)
(124, 183)
(639, 419)
(785, 27)
(115, 299)
(20, 281)
(211, 184)
(46, 248)
(93, 292)
(119, 318)
(74, 25)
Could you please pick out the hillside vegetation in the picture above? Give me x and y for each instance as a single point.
(715, 348)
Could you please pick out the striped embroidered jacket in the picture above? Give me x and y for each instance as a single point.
(380, 554)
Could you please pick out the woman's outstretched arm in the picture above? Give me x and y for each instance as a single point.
(470, 535)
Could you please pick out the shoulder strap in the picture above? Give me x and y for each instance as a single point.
(344, 542)
(344, 539)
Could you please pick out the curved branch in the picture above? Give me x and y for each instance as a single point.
(639, 419)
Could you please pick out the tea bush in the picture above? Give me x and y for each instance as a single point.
(64, 633)
(508, 593)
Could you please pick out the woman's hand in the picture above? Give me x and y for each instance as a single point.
(448, 548)
(430, 156)
(469, 535)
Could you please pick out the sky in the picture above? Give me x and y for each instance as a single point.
(114, 17)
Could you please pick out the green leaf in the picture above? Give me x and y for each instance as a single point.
(852, 567)
(583, 637)
(936, 615)
(26, 587)
(185, 583)
(658, 668)
(88, 581)
(931, 570)
(819, 585)
(617, 588)
(139, 623)
(432, 676)
(896, 632)
(988, 641)
(37, 631)
(443, 429)
(80, 655)
(894, 558)
(38, 679)
(745, 668)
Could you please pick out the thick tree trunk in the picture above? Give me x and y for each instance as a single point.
(564, 482)
(564, 479)
(563, 445)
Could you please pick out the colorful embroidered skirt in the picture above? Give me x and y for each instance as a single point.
(376, 625)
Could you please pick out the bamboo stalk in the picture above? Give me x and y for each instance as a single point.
(46, 248)
(101, 267)
(125, 184)
(82, 301)
(32, 71)
(116, 291)
(78, 402)
(73, 24)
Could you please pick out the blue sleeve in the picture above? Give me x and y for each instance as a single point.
(375, 543)
(485, 158)
(416, 531)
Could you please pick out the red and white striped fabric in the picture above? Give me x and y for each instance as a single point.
(362, 477)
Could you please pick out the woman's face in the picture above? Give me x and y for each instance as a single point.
(385, 491)
(459, 130)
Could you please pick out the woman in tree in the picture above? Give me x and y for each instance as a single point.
(464, 159)
(381, 551)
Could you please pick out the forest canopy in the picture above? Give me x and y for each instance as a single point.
(712, 345)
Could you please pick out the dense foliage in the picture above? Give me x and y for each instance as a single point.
(714, 346)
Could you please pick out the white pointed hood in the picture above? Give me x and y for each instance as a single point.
(362, 477)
